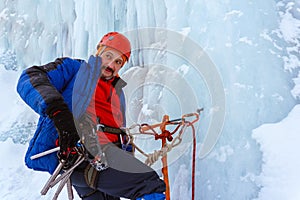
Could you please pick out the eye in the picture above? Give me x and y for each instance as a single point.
(119, 62)
(108, 56)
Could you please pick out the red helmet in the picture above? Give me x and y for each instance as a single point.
(117, 41)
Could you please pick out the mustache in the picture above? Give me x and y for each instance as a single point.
(108, 68)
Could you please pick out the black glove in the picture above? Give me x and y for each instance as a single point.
(64, 123)
(93, 150)
(89, 136)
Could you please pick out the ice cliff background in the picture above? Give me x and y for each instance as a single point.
(254, 45)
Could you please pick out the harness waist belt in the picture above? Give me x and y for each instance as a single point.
(109, 129)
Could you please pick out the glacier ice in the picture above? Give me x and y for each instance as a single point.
(253, 44)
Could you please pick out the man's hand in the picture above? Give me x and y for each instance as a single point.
(68, 136)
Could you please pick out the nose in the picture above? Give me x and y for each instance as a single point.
(111, 65)
(108, 63)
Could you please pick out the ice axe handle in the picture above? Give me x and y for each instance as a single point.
(44, 153)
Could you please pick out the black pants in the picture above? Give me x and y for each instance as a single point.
(126, 177)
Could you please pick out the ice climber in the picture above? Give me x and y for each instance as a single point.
(76, 101)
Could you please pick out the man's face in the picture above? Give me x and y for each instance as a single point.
(112, 62)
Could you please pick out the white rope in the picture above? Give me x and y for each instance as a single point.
(153, 157)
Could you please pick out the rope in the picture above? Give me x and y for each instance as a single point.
(151, 158)
(193, 161)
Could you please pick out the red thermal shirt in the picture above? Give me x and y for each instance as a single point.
(105, 105)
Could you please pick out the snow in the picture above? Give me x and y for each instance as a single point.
(232, 13)
(19, 182)
(254, 48)
(279, 143)
(296, 89)
(290, 27)
(8, 79)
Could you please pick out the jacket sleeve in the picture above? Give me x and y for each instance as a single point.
(41, 86)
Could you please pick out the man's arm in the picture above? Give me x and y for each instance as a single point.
(40, 86)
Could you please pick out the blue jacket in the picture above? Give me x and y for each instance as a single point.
(70, 80)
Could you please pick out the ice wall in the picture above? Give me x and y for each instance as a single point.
(252, 44)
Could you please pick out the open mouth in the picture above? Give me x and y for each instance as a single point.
(108, 69)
